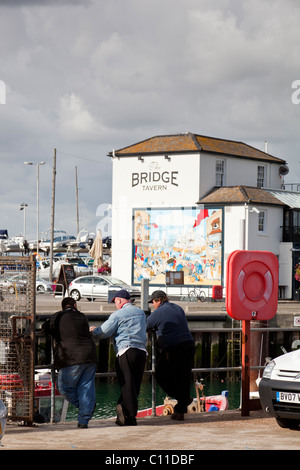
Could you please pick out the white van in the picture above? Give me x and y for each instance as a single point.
(279, 389)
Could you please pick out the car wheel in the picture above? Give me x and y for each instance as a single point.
(75, 294)
(288, 423)
(40, 288)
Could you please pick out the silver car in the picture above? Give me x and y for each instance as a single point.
(97, 286)
(19, 282)
(42, 285)
(14, 283)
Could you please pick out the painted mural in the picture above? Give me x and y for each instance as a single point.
(185, 239)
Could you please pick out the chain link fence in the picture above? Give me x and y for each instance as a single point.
(17, 336)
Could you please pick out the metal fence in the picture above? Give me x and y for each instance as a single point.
(200, 370)
(17, 336)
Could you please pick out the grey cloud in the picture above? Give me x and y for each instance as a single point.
(43, 3)
(86, 80)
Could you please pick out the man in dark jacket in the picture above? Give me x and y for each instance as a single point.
(75, 358)
(176, 350)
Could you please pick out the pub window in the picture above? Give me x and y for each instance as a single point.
(220, 176)
(262, 222)
(296, 219)
(260, 176)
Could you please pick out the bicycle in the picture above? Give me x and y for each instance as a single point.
(196, 294)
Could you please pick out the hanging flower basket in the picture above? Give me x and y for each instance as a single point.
(106, 270)
(297, 272)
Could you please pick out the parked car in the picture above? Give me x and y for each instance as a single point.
(18, 283)
(42, 285)
(14, 283)
(98, 286)
(279, 389)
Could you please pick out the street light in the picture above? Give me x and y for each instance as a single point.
(37, 204)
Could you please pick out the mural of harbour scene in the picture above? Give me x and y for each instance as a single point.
(187, 239)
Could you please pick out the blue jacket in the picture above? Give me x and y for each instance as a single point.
(170, 323)
(128, 325)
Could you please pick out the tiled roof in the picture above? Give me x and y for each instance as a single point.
(162, 144)
(189, 142)
(240, 195)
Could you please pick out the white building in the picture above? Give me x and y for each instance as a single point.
(184, 202)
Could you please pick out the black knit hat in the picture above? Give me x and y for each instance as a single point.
(157, 294)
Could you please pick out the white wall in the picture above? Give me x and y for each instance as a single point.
(234, 232)
(270, 240)
(153, 182)
(158, 182)
(235, 237)
(238, 171)
(285, 268)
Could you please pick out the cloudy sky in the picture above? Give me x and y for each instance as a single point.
(87, 76)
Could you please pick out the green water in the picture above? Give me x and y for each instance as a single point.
(107, 394)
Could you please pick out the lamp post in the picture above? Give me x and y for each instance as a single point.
(37, 204)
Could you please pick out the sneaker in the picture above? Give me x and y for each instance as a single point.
(178, 416)
(120, 415)
(82, 426)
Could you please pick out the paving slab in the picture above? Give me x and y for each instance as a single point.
(222, 430)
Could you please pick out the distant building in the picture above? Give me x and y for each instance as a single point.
(184, 202)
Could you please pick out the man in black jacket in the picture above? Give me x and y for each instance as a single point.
(176, 350)
(75, 358)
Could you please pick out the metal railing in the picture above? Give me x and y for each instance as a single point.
(194, 370)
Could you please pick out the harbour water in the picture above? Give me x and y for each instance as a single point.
(108, 391)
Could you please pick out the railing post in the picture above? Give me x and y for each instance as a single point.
(52, 416)
(153, 380)
(245, 367)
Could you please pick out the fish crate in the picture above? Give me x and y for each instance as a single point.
(17, 336)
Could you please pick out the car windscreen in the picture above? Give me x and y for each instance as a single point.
(116, 282)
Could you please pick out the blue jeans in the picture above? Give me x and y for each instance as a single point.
(77, 384)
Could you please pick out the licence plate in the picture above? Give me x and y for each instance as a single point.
(289, 397)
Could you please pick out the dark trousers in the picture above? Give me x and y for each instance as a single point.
(174, 372)
(130, 369)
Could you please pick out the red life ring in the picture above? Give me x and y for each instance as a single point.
(252, 285)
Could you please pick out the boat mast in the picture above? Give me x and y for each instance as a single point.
(77, 209)
(52, 217)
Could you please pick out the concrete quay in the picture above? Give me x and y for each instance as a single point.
(217, 431)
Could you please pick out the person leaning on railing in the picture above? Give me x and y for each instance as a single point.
(176, 350)
(127, 325)
(75, 358)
